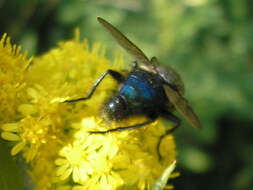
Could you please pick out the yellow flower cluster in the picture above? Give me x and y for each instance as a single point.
(53, 137)
(12, 78)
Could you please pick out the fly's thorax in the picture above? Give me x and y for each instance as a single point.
(143, 92)
(115, 109)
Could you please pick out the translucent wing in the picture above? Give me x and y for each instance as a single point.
(182, 106)
(129, 46)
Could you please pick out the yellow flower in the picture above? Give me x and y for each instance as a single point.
(127, 159)
(88, 158)
(53, 136)
(12, 78)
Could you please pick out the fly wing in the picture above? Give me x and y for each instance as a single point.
(129, 46)
(182, 106)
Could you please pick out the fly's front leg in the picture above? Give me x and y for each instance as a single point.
(175, 120)
(116, 75)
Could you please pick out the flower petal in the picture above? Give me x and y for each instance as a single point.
(10, 136)
(27, 109)
(13, 127)
(17, 148)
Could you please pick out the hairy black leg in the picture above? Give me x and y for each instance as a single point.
(125, 128)
(175, 120)
(116, 75)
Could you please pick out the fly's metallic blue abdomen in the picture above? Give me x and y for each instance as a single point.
(143, 90)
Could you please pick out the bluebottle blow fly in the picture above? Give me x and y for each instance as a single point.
(149, 89)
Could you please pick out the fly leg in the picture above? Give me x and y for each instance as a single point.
(175, 120)
(116, 75)
(136, 126)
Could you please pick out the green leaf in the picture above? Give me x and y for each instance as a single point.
(10, 174)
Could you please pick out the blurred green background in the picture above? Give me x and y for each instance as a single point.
(209, 42)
